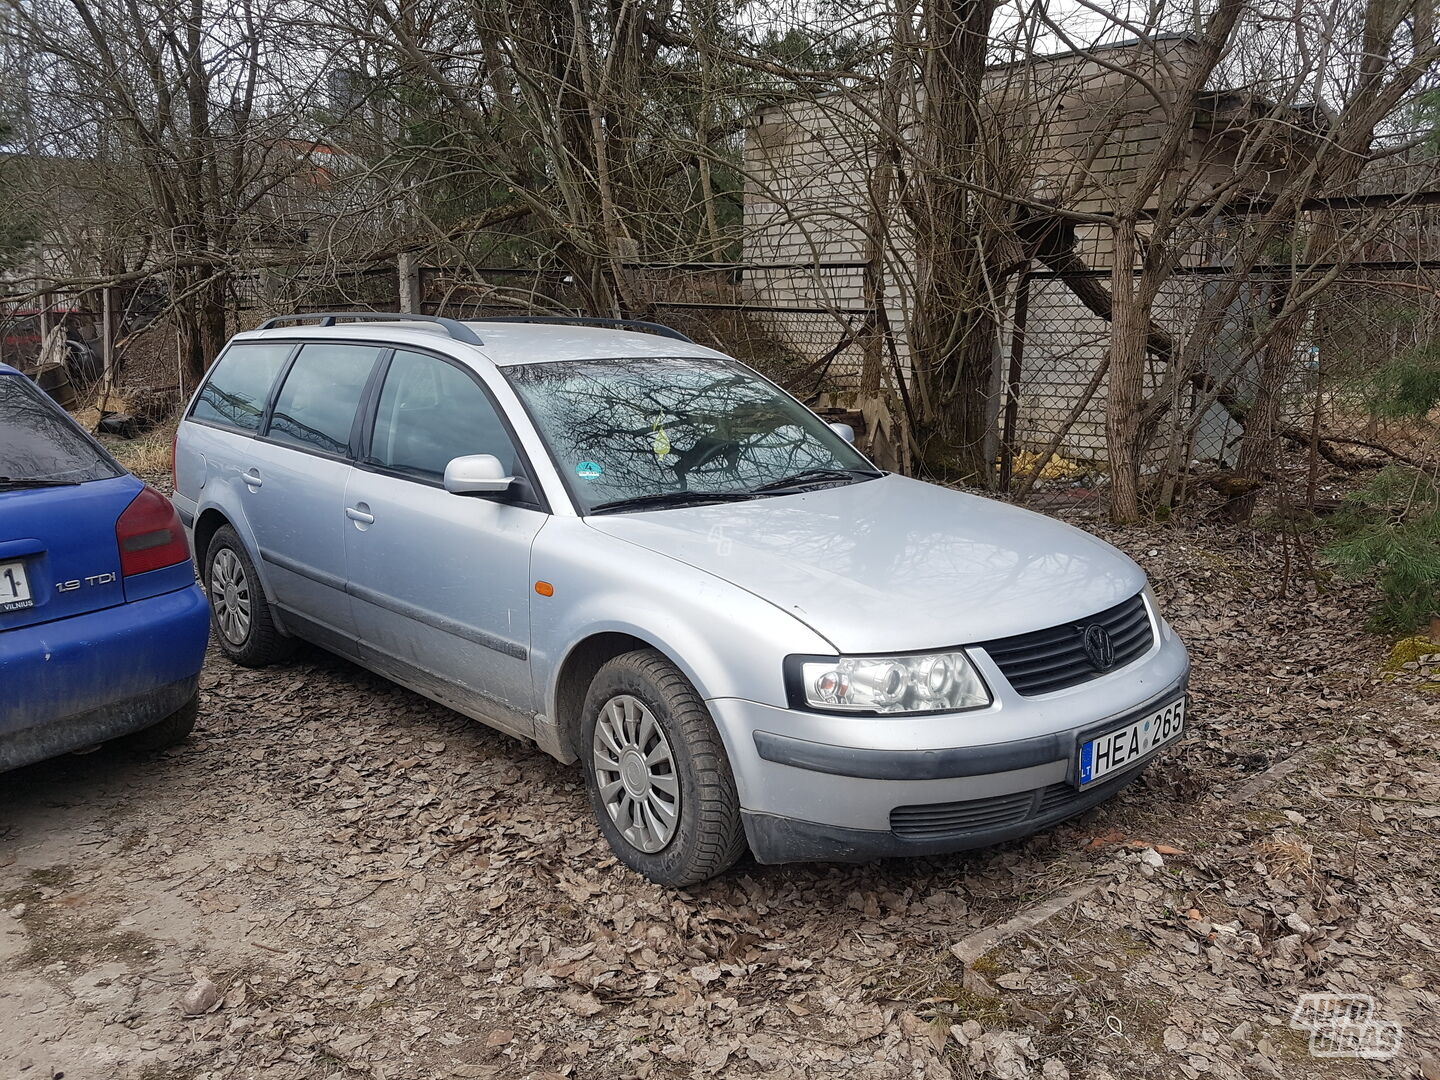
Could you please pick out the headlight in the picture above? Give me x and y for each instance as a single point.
(931, 682)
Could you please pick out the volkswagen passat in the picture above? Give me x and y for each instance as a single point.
(639, 554)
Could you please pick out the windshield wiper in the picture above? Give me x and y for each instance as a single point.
(34, 481)
(801, 480)
(663, 499)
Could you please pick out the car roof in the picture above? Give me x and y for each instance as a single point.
(503, 343)
(6, 369)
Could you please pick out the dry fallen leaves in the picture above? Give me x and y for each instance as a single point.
(377, 880)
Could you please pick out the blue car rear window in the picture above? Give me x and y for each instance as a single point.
(39, 442)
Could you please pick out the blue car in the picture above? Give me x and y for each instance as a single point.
(102, 626)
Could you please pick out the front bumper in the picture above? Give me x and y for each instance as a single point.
(821, 787)
(776, 839)
(74, 682)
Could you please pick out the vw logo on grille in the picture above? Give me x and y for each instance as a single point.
(1098, 647)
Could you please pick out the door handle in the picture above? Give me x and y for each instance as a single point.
(359, 515)
(253, 478)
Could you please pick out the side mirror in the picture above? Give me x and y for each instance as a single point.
(845, 431)
(477, 474)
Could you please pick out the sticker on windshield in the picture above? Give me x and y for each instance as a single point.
(588, 470)
(659, 440)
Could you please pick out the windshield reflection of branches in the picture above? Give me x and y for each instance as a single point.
(655, 426)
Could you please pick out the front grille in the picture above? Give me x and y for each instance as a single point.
(1057, 796)
(1046, 660)
(973, 815)
(1054, 803)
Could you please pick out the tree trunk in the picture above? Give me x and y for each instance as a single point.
(953, 323)
(200, 319)
(1261, 435)
(1124, 408)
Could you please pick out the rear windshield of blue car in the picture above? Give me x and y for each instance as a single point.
(39, 442)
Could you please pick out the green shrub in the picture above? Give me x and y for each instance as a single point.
(1408, 386)
(1390, 528)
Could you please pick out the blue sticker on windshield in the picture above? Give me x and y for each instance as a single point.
(588, 470)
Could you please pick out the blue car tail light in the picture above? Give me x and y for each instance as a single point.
(150, 535)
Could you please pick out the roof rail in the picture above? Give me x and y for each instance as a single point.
(454, 327)
(586, 320)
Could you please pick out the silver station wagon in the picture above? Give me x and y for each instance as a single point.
(638, 553)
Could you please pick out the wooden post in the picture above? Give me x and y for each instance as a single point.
(46, 300)
(407, 267)
(1012, 379)
(107, 336)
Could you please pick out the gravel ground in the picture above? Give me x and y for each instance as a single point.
(348, 881)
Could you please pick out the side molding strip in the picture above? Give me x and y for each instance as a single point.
(399, 607)
(440, 622)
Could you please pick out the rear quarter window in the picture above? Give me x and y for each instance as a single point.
(38, 441)
(239, 386)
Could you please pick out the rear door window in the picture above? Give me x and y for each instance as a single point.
(316, 406)
(239, 385)
(39, 442)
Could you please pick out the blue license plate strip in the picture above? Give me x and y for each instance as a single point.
(1116, 750)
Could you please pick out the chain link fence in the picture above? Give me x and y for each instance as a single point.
(812, 336)
(819, 330)
(263, 293)
(1370, 334)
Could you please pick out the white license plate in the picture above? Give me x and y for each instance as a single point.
(1124, 746)
(14, 587)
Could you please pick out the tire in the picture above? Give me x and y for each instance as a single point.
(705, 836)
(239, 613)
(172, 731)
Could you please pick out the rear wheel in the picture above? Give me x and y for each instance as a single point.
(244, 626)
(659, 780)
(172, 731)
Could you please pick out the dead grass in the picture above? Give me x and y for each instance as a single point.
(934, 991)
(1289, 859)
(88, 417)
(149, 456)
(146, 456)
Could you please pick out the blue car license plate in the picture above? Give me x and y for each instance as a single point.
(14, 587)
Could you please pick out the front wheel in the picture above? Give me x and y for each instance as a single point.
(658, 777)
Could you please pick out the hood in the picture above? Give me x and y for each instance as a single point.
(893, 564)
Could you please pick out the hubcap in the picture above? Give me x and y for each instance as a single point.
(230, 596)
(635, 772)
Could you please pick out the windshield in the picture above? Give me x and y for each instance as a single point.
(625, 429)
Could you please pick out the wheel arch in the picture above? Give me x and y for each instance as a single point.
(578, 669)
(207, 524)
